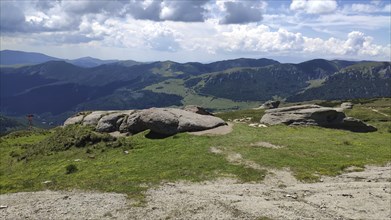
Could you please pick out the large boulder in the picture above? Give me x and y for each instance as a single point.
(132, 124)
(160, 120)
(170, 121)
(112, 121)
(93, 118)
(314, 115)
(77, 119)
(165, 121)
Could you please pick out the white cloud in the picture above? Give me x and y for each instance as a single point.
(369, 22)
(260, 38)
(167, 28)
(314, 6)
(356, 44)
(252, 38)
(374, 7)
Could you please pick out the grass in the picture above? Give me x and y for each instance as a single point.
(149, 162)
(310, 152)
(190, 97)
(103, 164)
(254, 114)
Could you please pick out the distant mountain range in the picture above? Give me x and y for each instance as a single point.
(12, 58)
(57, 87)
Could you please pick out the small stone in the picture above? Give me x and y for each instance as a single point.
(347, 195)
(126, 152)
(77, 160)
(108, 214)
(3, 206)
(47, 182)
(291, 196)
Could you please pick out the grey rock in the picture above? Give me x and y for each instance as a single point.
(170, 121)
(346, 105)
(302, 115)
(165, 121)
(132, 124)
(93, 118)
(356, 125)
(109, 123)
(314, 115)
(160, 120)
(196, 109)
(189, 121)
(270, 105)
(74, 120)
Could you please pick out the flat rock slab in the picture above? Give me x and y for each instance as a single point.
(315, 115)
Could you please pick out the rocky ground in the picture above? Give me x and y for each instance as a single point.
(353, 195)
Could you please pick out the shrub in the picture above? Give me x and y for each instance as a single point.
(14, 154)
(71, 168)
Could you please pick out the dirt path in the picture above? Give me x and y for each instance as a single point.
(355, 195)
(377, 111)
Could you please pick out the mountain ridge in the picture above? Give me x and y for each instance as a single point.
(15, 58)
(58, 86)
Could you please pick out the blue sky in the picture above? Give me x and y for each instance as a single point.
(199, 30)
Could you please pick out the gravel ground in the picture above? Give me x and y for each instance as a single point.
(354, 195)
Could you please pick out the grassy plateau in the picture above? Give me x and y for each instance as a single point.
(78, 158)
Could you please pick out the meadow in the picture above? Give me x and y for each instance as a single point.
(79, 158)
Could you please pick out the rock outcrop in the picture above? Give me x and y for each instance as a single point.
(346, 105)
(270, 105)
(74, 120)
(165, 121)
(315, 115)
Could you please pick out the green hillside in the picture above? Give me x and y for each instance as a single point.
(59, 88)
(7, 125)
(364, 80)
(79, 158)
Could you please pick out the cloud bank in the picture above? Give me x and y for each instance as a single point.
(202, 27)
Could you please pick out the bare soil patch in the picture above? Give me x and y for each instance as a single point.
(266, 145)
(354, 195)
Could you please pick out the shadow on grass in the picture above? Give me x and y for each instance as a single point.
(154, 135)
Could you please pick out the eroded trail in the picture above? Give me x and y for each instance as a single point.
(377, 111)
(355, 195)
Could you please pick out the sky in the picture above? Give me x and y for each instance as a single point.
(199, 30)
